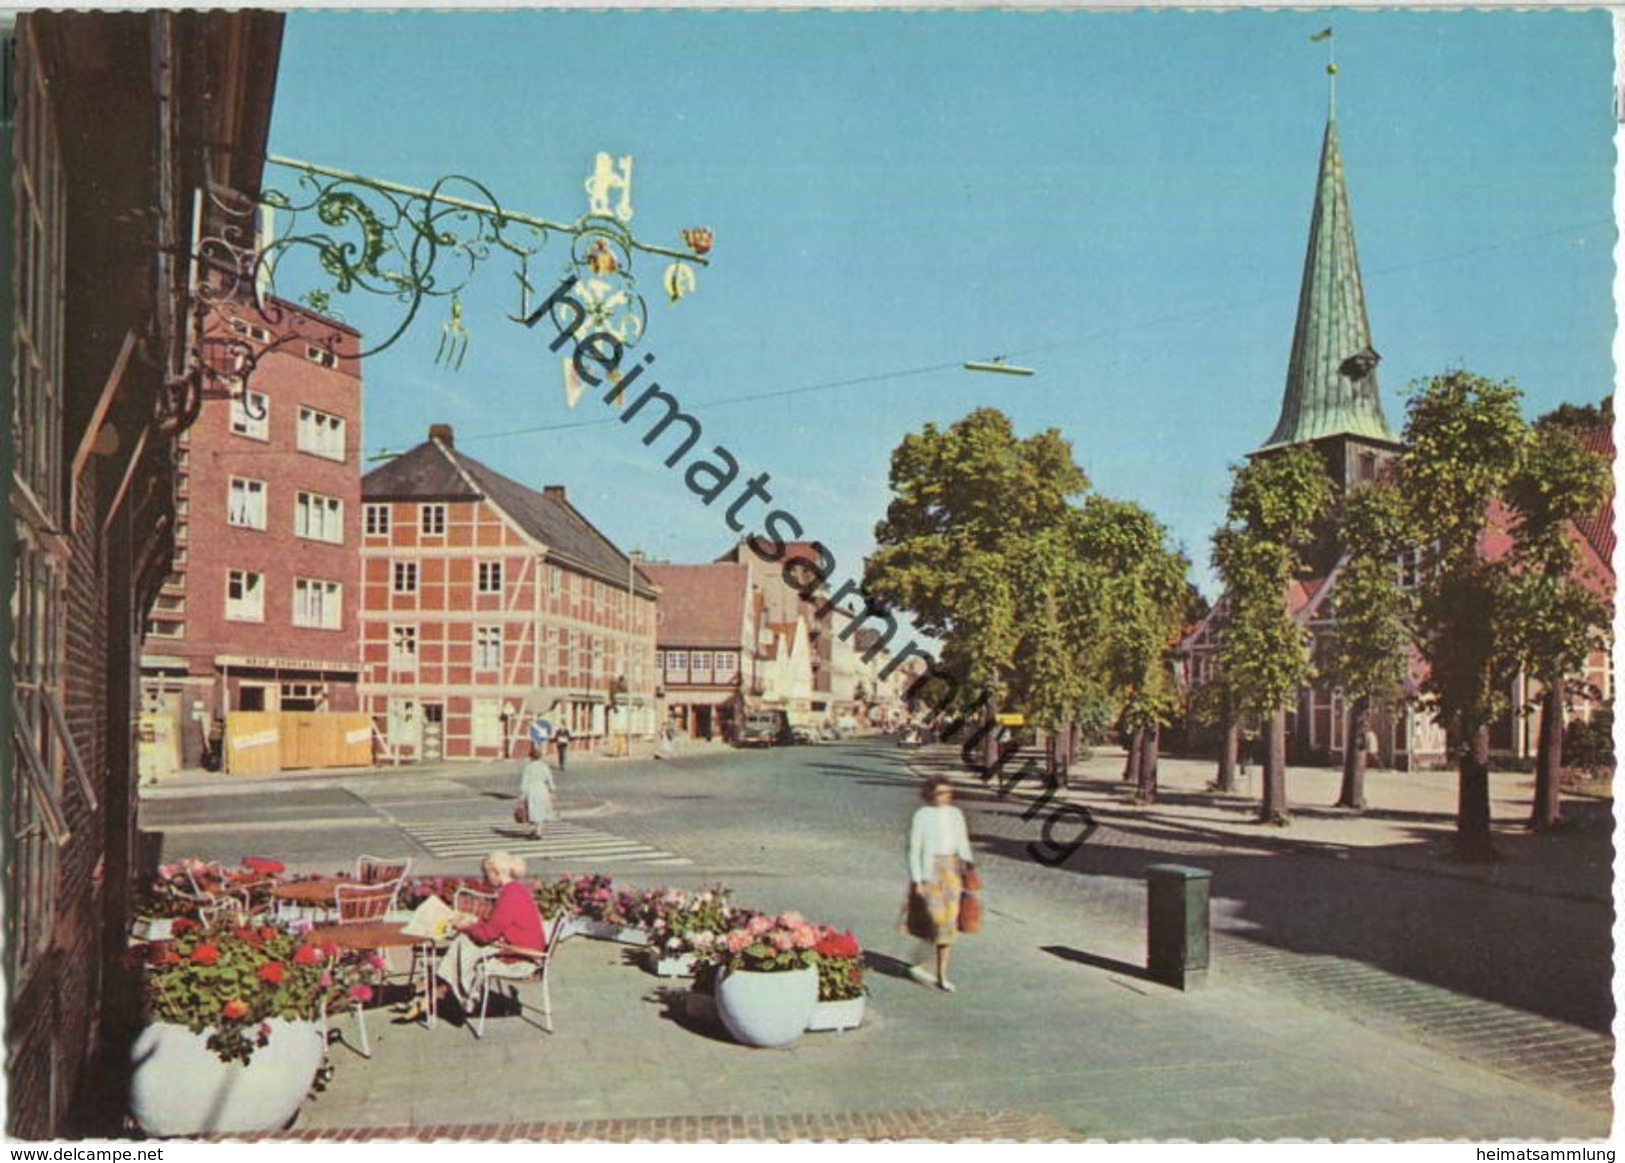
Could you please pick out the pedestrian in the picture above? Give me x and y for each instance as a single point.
(939, 860)
(561, 740)
(536, 788)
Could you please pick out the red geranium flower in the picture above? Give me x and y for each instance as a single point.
(361, 993)
(234, 1009)
(306, 955)
(264, 864)
(182, 925)
(205, 954)
(271, 971)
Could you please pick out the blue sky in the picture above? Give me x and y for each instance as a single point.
(1118, 199)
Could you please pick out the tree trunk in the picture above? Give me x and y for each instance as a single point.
(1272, 809)
(1228, 746)
(1473, 842)
(1131, 768)
(1548, 810)
(1354, 756)
(1147, 790)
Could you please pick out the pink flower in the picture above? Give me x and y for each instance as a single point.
(738, 941)
(781, 940)
(326, 978)
(361, 993)
(759, 925)
(375, 960)
(792, 920)
(806, 937)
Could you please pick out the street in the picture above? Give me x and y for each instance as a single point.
(1350, 997)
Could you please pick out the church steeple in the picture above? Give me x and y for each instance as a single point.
(1331, 380)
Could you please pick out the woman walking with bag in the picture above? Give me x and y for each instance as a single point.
(536, 792)
(939, 862)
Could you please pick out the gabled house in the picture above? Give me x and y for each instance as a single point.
(487, 605)
(705, 640)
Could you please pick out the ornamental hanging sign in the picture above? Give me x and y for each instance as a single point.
(417, 247)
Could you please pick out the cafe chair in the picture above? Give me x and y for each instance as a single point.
(357, 904)
(378, 869)
(512, 966)
(473, 902)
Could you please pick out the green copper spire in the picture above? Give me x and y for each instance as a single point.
(1331, 381)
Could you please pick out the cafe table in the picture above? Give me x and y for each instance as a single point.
(312, 900)
(365, 936)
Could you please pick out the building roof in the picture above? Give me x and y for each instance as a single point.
(436, 471)
(701, 605)
(1598, 527)
(1331, 379)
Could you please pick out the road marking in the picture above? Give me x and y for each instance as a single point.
(560, 841)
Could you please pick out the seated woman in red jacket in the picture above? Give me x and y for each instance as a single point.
(514, 920)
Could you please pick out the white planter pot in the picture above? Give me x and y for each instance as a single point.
(838, 1015)
(664, 965)
(178, 1086)
(153, 928)
(767, 1009)
(609, 931)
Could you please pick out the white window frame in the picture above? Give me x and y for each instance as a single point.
(402, 723)
(488, 648)
(377, 519)
(318, 517)
(246, 502)
(243, 423)
(321, 433)
(318, 604)
(320, 355)
(249, 605)
(403, 646)
(403, 577)
(488, 577)
(432, 519)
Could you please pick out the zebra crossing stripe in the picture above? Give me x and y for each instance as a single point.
(558, 842)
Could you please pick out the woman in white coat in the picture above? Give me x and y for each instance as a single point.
(938, 855)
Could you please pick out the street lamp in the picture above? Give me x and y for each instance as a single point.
(998, 365)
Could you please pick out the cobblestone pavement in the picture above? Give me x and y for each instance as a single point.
(855, 1126)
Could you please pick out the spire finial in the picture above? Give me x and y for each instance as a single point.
(1325, 34)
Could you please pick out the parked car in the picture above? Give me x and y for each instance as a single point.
(766, 729)
(803, 735)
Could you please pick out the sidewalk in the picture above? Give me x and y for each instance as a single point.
(1408, 823)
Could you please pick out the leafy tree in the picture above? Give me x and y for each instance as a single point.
(1464, 442)
(1051, 608)
(1142, 602)
(1274, 504)
(972, 545)
(1554, 619)
(1367, 657)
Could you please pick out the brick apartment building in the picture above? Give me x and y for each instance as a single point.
(260, 612)
(112, 122)
(486, 604)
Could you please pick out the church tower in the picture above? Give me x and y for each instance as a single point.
(1332, 400)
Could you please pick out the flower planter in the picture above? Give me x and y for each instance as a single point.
(767, 1009)
(178, 1086)
(846, 1014)
(609, 931)
(153, 928)
(667, 965)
